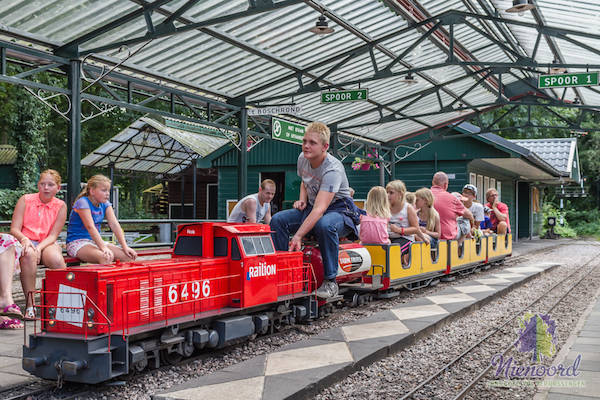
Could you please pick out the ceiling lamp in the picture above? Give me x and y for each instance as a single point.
(321, 27)
(520, 6)
(409, 79)
(557, 70)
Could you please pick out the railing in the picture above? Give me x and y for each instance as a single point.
(85, 322)
(163, 309)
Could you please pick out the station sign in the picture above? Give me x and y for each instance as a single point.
(272, 110)
(343, 96)
(568, 80)
(287, 131)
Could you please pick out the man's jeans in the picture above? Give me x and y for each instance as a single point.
(327, 230)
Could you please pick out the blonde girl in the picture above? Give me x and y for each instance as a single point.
(404, 223)
(37, 221)
(373, 226)
(410, 198)
(83, 234)
(429, 219)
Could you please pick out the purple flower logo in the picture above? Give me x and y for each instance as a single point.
(537, 335)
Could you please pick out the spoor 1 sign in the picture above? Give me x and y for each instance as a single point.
(568, 80)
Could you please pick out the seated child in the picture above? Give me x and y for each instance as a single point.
(486, 224)
(83, 234)
(374, 225)
(429, 219)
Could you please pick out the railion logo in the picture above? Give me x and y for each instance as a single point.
(262, 269)
(190, 231)
(350, 261)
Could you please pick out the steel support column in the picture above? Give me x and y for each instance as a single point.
(74, 136)
(243, 154)
(333, 141)
(194, 181)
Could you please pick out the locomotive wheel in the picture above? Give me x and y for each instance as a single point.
(188, 349)
(170, 358)
(141, 365)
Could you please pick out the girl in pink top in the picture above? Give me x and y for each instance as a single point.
(374, 225)
(36, 223)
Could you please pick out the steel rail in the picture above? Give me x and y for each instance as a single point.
(492, 333)
(470, 386)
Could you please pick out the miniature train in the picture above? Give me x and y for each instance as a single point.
(223, 283)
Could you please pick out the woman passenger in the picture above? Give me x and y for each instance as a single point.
(37, 221)
(429, 219)
(404, 224)
(10, 313)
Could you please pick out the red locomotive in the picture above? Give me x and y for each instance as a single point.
(224, 282)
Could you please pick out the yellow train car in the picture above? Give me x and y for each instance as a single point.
(386, 261)
(434, 262)
(499, 246)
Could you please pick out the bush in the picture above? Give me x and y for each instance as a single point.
(8, 200)
(585, 223)
(564, 230)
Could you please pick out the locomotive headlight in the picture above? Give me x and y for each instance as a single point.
(51, 322)
(90, 325)
(70, 276)
(90, 313)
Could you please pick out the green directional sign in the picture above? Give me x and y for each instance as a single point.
(568, 80)
(342, 96)
(287, 131)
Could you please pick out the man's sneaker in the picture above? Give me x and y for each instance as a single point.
(327, 290)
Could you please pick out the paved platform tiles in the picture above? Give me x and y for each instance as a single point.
(584, 342)
(11, 342)
(302, 369)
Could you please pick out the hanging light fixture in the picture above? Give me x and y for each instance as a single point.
(557, 70)
(409, 79)
(520, 6)
(321, 27)
(461, 110)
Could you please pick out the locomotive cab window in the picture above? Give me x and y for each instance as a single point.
(220, 247)
(235, 251)
(257, 245)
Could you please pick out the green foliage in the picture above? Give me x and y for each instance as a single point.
(564, 230)
(8, 199)
(585, 222)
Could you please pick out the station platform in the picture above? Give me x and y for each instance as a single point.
(302, 369)
(583, 342)
(308, 366)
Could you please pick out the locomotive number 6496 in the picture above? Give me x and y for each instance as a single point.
(184, 294)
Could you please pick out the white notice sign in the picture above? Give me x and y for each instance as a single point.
(69, 306)
(271, 110)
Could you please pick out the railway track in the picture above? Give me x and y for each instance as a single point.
(72, 391)
(423, 389)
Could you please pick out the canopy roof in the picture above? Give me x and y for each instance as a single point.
(148, 145)
(466, 55)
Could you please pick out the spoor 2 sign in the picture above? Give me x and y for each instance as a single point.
(342, 96)
(568, 80)
(287, 131)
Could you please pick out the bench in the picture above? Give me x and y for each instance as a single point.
(71, 261)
